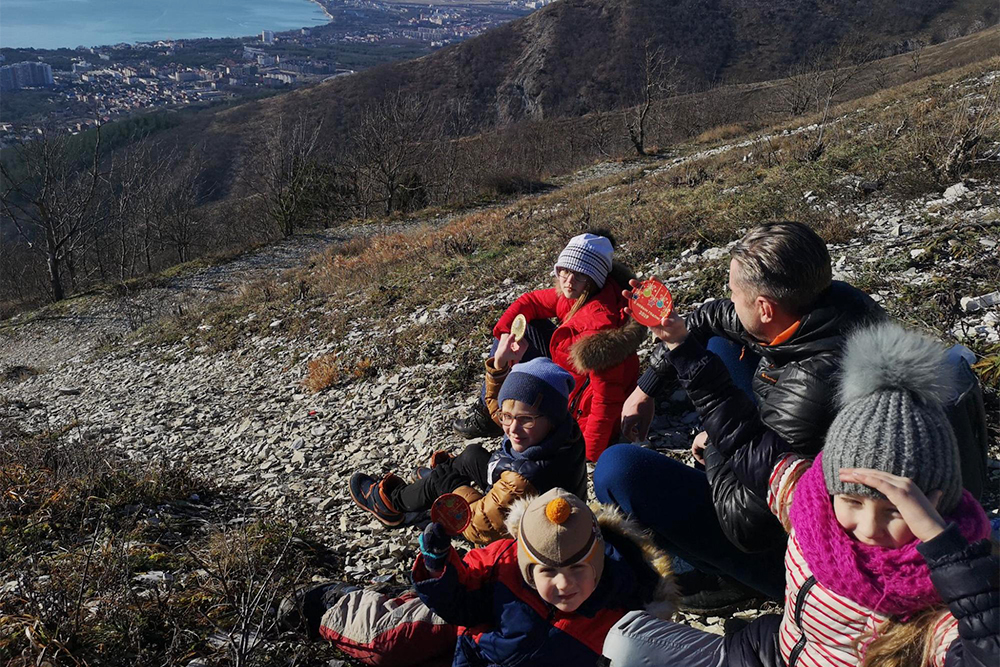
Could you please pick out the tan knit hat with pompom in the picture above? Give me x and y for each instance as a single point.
(558, 529)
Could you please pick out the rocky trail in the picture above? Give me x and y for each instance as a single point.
(72, 330)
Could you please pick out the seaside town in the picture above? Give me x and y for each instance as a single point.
(87, 86)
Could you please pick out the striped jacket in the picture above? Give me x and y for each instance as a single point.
(819, 627)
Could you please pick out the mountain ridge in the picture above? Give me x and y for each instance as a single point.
(578, 56)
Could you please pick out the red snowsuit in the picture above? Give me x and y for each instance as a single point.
(596, 347)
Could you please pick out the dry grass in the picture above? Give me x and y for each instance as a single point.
(988, 368)
(721, 133)
(324, 372)
(118, 564)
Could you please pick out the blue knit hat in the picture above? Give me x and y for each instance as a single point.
(540, 383)
(588, 254)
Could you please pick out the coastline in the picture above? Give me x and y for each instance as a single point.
(323, 7)
(23, 33)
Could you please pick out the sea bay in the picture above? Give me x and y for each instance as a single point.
(52, 24)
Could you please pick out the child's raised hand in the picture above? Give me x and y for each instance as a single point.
(435, 543)
(509, 351)
(917, 510)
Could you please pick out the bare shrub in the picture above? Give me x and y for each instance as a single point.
(460, 244)
(364, 369)
(17, 373)
(112, 563)
(507, 184)
(324, 372)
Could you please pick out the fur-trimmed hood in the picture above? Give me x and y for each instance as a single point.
(632, 545)
(609, 347)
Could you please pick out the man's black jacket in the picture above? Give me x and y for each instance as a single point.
(795, 387)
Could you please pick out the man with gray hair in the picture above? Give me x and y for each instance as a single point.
(780, 335)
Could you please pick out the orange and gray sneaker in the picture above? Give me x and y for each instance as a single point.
(373, 495)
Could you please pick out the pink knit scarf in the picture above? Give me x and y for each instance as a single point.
(896, 582)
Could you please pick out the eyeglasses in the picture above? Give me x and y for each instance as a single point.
(524, 421)
(572, 276)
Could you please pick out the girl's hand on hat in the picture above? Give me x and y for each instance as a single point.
(672, 330)
(916, 509)
(509, 351)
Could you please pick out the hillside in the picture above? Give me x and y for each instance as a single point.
(578, 56)
(369, 145)
(278, 385)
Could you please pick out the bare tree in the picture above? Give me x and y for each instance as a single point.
(390, 149)
(798, 92)
(181, 224)
(52, 199)
(815, 83)
(848, 60)
(916, 52)
(658, 81)
(278, 171)
(19, 279)
(600, 133)
(458, 123)
(881, 74)
(135, 207)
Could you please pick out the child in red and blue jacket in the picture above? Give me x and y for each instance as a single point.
(547, 597)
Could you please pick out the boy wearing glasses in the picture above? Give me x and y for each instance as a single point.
(542, 449)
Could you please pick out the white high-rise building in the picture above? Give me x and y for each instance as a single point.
(267, 36)
(25, 75)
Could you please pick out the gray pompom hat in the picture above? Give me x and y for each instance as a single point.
(894, 386)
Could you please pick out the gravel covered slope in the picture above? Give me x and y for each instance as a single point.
(244, 417)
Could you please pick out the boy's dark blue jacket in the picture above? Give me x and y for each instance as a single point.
(505, 622)
(557, 461)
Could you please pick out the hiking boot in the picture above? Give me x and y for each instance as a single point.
(307, 606)
(373, 495)
(478, 424)
(439, 457)
(436, 459)
(713, 595)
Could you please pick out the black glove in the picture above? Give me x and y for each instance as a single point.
(435, 544)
